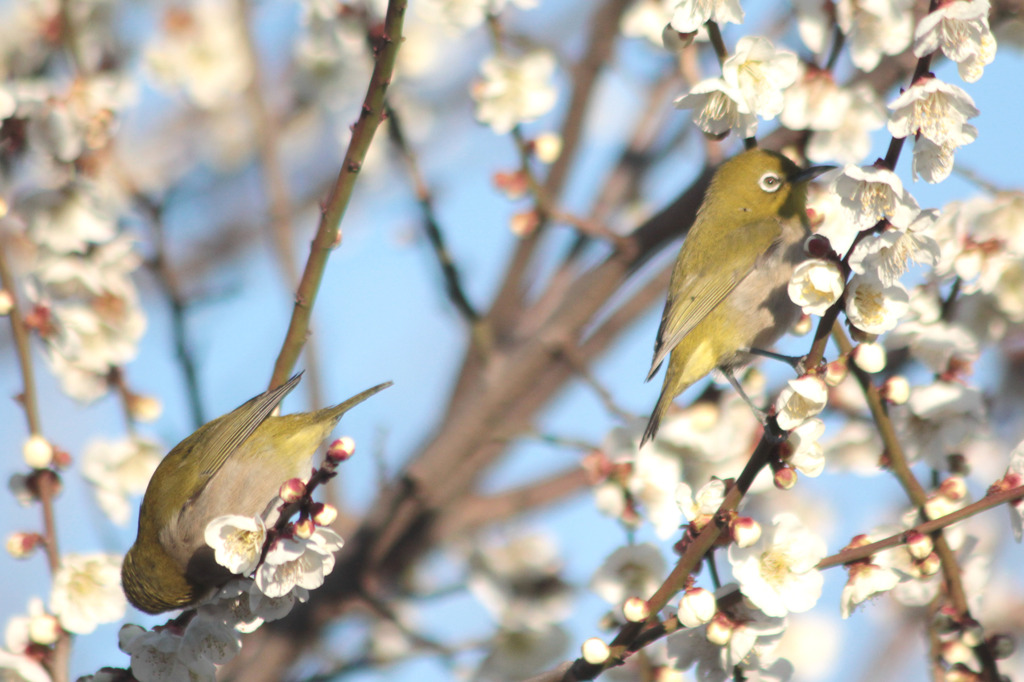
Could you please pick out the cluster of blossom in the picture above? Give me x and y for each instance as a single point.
(518, 580)
(775, 571)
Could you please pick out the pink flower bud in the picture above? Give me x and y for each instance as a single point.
(636, 610)
(696, 607)
(595, 651)
(342, 449)
(930, 565)
(836, 371)
(785, 478)
(6, 302)
(919, 545)
(292, 490)
(719, 630)
(324, 514)
(22, 545)
(953, 488)
(304, 529)
(745, 531)
(44, 629)
(37, 451)
(896, 390)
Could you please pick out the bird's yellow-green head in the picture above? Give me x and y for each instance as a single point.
(757, 184)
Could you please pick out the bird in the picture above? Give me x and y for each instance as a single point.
(728, 289)
(234, 464)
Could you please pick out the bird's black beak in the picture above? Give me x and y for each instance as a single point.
(808, 174)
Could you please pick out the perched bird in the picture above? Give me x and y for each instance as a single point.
(728, 292)
(234, 464)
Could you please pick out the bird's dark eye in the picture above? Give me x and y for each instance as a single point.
(770, 182)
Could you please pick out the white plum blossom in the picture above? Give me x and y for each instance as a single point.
(752, 639)
(293, 562)
(518, 580)
(814, 23)
(522, 652)
(806, 454)
(118, 470)
(69, 221)
(874, 307)
(647, 19)
(874, 29)
(887, 253)
(815, 285)
(690, 15)
(760, 72)
(237, 542)
(705, 503)
(467, 14)
(961, 31)
(777, 574)
(811, 103)
(210, 638)
(847, 139)
(696, 607)
(800, 400)
(515, 90)
(156, 656)
(932, 340)
(719, 107)
(202, 52)
(865, 581)
(935, 110)
(869, 194)
(942, 417)
(631, 571)
(934, 162)
(653, 483)
(87, 592)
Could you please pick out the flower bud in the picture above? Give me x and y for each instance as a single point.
(324, 514)
(548, 147)
(896, 390)
(973, 634)
(292, 490)
(745, 531)
(919, 545)
(870, 357)
(523, 224)
(938, 506)
(44, 629)
(513, 185)
(953, 488)
(22, 545)
(6, 302)
(803, 326)
(636, 610)
(304, 529)
(37, 451)
(144, 408)
(836, 371)
(696, 607)
(785, 478)
(930, 565)
(956, 651)
(341, 450)
(719, 630)
(595, 651)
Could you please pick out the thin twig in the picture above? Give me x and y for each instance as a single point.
(328, 234)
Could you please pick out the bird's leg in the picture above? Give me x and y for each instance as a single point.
(796, 362)
(770, 425)
(758, 412)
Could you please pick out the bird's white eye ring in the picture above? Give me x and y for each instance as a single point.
(770, 182)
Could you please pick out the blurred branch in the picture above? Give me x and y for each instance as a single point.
(168, 281)
(328, 234)
(453, 284)
(29, 400)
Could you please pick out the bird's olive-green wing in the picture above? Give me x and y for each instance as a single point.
(699, 284)
(227, 433)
